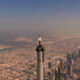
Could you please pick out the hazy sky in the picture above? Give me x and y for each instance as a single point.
(30, 17)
